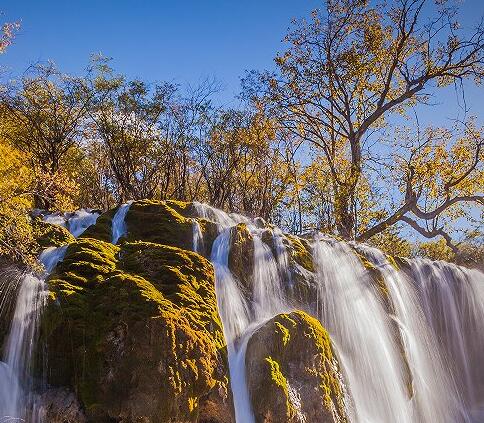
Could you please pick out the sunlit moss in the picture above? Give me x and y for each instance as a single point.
(293, 350)
(160, 302)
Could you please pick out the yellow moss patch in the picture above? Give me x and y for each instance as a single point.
(300, 252)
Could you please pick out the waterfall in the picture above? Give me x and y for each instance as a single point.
(198, 245)
(235, 314)
(412, 353)
(16, 399)
(453, 304)
(118, 225)
(350, 310)
(19, 349)
(51, 256)
(80, 221)
(435, 396)
(409, 340)
(242, 315)
(76, 222)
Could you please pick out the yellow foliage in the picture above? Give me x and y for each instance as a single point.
(16, 232)
(436, 250)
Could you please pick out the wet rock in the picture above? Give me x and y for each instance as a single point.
(260, 222)
(241, 256)
(58, 406)
(293, 374)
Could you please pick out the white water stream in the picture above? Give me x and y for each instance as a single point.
(29, 293)
(118, 225)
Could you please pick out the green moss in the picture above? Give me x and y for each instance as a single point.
(300, 251)
(280, 382)
(48, 235)
(186, 209)
(293, 349)
(162, 300)
(102, 229)
(157, 222)
(241, 254)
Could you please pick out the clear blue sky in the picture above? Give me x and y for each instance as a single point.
(175, 40)
(181, 41)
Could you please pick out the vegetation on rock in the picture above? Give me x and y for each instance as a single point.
(292, 372)
(144, 313)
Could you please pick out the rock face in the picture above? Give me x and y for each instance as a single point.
(133, 330)
(292, 373)
(241, 256)
(58, 406)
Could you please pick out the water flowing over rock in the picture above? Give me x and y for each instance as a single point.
(15, 370)
(164, 311)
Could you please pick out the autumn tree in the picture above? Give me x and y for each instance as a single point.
(346, 74)
(16, 181)
(44, 115)
(7, 32)
(242, 164)
(126, 118)
(439, 174)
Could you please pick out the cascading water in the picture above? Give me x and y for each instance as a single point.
(20, 344)
(434, 394)
(80, 221)
(411, 353)
(118, 225)
(198, 245)
(51, 256)
(452, 300)
(241, 315)
(395, 367)
(235, 314)
(16, 399)
(76, 222)
(350, 310)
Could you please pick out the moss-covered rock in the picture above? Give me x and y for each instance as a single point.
(134, 330)
(49, 235)
(300, 252)
(292, 372)
(241, 255)
(157, 222)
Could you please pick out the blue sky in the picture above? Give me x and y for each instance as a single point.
(175, 40)
(180, 41)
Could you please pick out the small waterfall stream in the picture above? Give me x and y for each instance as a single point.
(235, 314)
(29, 293)
(118, 225)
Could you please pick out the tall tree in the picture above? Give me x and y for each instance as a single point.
(348, 70)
